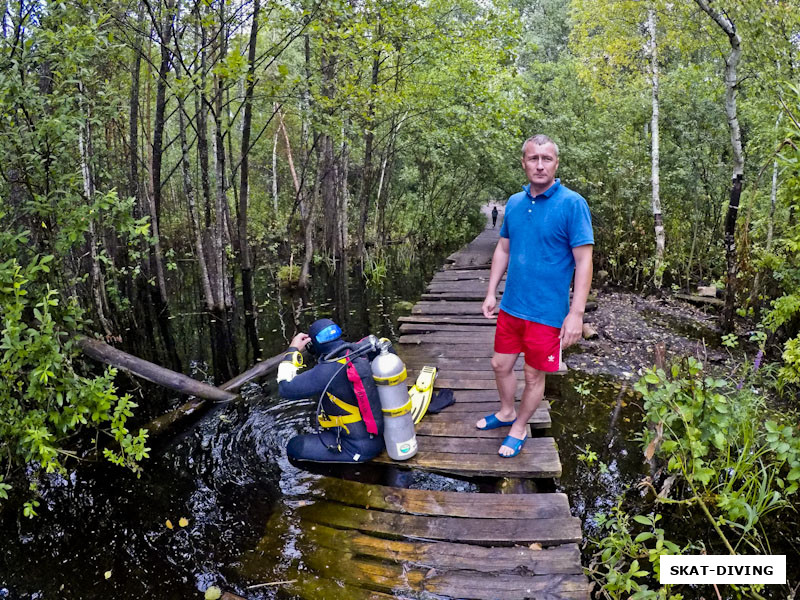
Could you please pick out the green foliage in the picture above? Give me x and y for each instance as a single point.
(618, 564)
(718, 439)
(288, 275)
(45, 397)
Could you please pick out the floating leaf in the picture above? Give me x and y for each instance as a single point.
(169, 524)
(213, 593)
(108, 574)
(183, 522)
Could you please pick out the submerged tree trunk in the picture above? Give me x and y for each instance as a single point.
(658, 222)
(731, 91)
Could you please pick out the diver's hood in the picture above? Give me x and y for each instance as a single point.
(326, 337)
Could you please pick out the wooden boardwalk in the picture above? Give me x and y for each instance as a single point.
(368, 541)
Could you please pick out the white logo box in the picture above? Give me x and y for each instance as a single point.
(722, 568)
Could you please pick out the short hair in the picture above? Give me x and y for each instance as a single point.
(539, 139)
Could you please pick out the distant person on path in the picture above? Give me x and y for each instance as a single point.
(494, 216)
(546, 237)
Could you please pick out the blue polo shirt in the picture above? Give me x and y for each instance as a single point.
(542, 231)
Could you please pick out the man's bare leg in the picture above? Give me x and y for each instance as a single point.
(531, 398)
(503, 366)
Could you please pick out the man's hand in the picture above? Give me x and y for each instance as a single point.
(489, 304)
(300, 341)
(571, 330)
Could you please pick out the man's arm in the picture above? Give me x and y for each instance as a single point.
(572, 328)
(499, 266)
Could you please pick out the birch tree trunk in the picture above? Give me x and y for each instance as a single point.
(731, 91)
(98, 281)
(655, 178)
(306, 202)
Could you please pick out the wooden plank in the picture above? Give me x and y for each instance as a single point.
(456, 274)
(445, 381)
(540, 420)
(448, 351)
(456, 319)
(451, 339)
(534, 447)
(446, 327)
(467, 417)
(441, 503)
(501, 532)
(366, 572)
(456, 365)
(559, 559)
(447, 308)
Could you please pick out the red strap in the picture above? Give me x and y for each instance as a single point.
(361, 396)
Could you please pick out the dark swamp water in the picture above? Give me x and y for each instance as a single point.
(102, 532)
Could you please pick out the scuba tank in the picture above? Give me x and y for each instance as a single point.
(389, 374)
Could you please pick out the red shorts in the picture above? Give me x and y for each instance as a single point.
(540, 343)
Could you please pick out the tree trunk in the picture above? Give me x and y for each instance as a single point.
(275, 174)
(731, 91)
(188, 190)
(98, 282)
(655, 179)
(244, 247)
(202, 125)
(365, 189)
(306, 207)
(165, 34)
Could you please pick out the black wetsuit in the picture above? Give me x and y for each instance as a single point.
(356, 446)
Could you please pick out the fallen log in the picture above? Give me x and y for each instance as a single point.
(151, 372)
(195, 405)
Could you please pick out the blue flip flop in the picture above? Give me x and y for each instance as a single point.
(514, 443)
(493, 422)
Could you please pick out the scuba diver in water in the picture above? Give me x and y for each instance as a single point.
(349, 408)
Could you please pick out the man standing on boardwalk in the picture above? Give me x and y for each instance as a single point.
(546, 237)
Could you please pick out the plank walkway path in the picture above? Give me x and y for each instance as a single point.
(370, 541)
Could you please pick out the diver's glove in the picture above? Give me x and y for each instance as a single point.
(291, 363)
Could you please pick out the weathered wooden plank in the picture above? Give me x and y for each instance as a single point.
(404, 578)
(501, 532)
(533, 448)
(445, 328)
(458, 338)
(456, 319)
(457, 274)
(464, 417)
(447, 308)
(441, 503)
(449, 351)
(540, 420)
(564, 558)
(445, 381)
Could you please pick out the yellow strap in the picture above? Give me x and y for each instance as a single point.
(399, 411)
(393, 380)
(353, 416)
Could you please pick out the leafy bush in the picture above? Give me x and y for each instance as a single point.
(46, 395)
